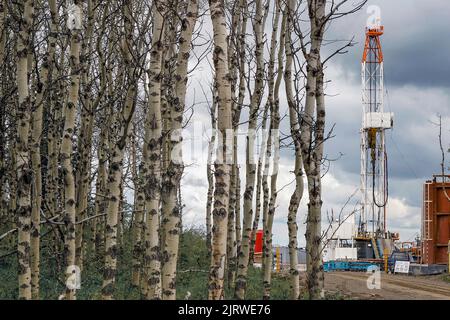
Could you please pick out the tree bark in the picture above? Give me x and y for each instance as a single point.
(222, 168)
(115, 173)
(66, 154)
(243, 260)
(24, 173)
(83, 169)
(37, 120)
(137, 226)
(171, 178)
(233, 62)
(3, 139)
(272, 140)
(298, 172)
(152, 159)
(312, 151)
(236, 117)
(210, 175)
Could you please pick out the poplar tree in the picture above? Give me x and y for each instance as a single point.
(171, 177)
(250, 167)
(69, 116)
(23, 169)
(151, 161)
(221, 167)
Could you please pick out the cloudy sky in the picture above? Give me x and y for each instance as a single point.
(417, 84)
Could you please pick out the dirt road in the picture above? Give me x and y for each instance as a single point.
(354, 285)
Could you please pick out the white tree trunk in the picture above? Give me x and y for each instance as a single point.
(172, 176)
(152, 160)
(222, 169)
(23, 170)
(243, 260)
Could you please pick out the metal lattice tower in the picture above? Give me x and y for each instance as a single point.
(374, 178)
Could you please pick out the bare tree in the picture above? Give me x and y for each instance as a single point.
(171, 178)
(273, 142)
(82, 177)
(210, 174)
(24, 173)
(221, 167)
(151, 161)
(250, 172)
(312, 118)
(117, 155)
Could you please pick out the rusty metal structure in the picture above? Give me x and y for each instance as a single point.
(436, 220)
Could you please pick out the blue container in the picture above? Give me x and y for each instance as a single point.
(335, 266)
(330, 266)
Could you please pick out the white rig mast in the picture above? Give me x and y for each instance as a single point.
(374, 178)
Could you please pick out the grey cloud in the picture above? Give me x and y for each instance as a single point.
(415, 45)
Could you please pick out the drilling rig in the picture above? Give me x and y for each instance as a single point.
(369, 242)
(372, 231)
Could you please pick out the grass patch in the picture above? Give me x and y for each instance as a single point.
(193, 268)
(446, 278)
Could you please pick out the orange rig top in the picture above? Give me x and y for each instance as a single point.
(372, 49)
